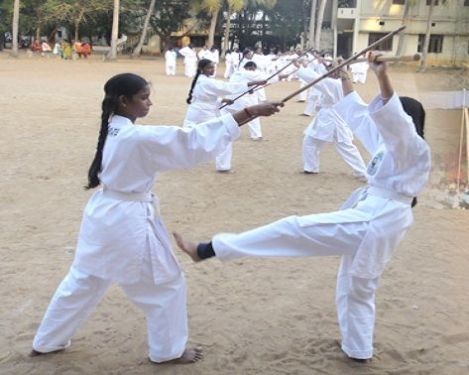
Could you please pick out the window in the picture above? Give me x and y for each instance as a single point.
(429, 2)
(385, 46)
(435, 45)
(347, 4)
(466, 3)
(399, 2)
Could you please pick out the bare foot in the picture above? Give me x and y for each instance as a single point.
(190, 248)
(35, 353)
(190, 355)
(359, 360)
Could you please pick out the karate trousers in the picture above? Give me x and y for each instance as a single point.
(301, 237)
(170, 69)
(347, 150)
(254, 127)
(164, 306)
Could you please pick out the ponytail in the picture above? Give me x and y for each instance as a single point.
(200, 68)
(125, 84)
(194, 81)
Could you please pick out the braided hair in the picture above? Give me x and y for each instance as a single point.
(416, 111)
(200, 67)
(125, 84)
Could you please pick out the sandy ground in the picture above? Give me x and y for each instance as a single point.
(254, 316)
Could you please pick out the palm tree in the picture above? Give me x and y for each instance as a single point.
(115, 30)
(213, 8)
(322, 7)
(312, 23)
(16, 19)
(423, 63)
(335, 6)
(233, 7)
(405, 20)
(139, 46)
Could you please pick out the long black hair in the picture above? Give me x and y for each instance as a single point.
(200, 67)
(125, 84)
(415, 110)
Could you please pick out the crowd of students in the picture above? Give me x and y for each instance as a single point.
(65, 49)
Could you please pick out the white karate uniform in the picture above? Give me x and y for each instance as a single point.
(366, 230)
(328, 126)
(313, 95)
(359, 72)
(205, 106)
(247, 100)
(123, 239)
(228, 65)
(215, 57)
(170, 62)
(190, 61)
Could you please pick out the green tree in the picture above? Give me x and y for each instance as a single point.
(74, 12)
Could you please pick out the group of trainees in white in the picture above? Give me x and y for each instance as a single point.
(328, 126)
(207, 95)
(123, 240)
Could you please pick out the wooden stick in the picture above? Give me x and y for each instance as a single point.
(344, 63)
(415, 57)
(267, 79)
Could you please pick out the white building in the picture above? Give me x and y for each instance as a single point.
(361, 22)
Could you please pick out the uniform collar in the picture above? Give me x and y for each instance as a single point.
(119, 121)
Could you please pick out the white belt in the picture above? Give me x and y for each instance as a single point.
(133, 197)
(384, 193)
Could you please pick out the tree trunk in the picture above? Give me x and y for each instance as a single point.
(312, 23)
(77, 24)
(335, 6)
(16, 19)
(405, 21)
(213, 24)
(423, 63)
(317, 37)
(138, 48)
(115, 30)
(226, 35)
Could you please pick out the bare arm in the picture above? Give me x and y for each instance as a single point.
(380, 69)
(249, 113)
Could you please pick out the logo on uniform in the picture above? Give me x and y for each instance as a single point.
(373, 166)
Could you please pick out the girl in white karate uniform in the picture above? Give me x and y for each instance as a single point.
(204, 102)
(370, 224)
(170, 61)
(122, 237)
(190, 60)
(328, 127)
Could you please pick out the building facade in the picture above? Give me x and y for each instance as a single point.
(361, 22)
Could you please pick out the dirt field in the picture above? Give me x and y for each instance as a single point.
(253, 316)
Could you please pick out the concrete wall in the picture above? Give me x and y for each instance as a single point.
(450, 20)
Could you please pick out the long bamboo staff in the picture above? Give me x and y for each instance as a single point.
(415, 57)
(344, 63)
(267, 79)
